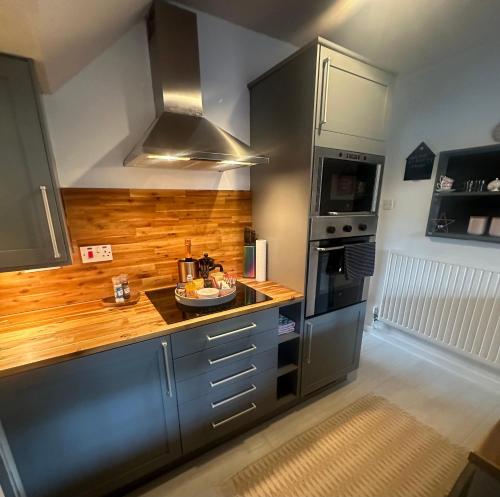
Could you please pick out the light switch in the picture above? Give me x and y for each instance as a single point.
(388, 204)
(96, 253)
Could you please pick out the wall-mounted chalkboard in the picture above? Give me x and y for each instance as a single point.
(419, 163)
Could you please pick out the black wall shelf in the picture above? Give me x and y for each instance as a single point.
(481, 163)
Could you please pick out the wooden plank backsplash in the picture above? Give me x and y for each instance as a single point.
(146, 229)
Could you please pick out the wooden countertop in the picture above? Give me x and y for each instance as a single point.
(37, 338)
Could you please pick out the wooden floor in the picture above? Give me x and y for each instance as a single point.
(460, 410)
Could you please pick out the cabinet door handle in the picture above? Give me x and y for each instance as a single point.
(230, 356)
(229, 333)
(324, 90)
(234, 416)
(375, 190)
(167, 367)
(309, 326)
(234, 397)
(234, 376)
(50, 224)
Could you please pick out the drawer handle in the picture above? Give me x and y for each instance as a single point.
(229, 333)
(234, 397)
(234, 376)
(230, 356)
(234, 416)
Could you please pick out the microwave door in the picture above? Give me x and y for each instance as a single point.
(348, 187)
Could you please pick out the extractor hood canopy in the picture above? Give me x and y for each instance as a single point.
(180, 137)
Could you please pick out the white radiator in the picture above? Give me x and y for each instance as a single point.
(455, 306)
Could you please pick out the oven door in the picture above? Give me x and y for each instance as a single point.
(346, 183)
(328, 288)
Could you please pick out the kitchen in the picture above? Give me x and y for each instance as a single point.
(96, 400)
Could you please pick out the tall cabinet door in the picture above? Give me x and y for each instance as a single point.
(31, 222)
(332, 346)
(353, 99)
(90, 425)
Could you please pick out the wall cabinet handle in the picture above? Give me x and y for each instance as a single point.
(230, 356)
(234, 416)
(50, 224)
(167, 367)
(309, 326)
(234, 376)
(324, 90)
(234, 397)
(229, 333)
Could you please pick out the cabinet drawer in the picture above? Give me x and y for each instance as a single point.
(205, 420)
(213, 382)
(211, 335)
(224, 355)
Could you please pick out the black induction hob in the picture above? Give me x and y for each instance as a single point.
(173, 312)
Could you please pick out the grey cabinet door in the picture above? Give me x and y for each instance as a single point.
(32, 223)
(90, 425)
(332, 346)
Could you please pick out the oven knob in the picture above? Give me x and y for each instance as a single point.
(362, 227)
(330, 229)
(347, 228)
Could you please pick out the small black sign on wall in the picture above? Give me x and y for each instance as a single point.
(419, 163)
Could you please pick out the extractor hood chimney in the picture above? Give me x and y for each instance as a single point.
(180, 137)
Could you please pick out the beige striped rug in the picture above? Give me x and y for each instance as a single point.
(372, 448)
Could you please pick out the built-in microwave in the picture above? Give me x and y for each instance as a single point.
(345, 182)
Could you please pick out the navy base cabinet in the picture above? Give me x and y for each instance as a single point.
(332, 346)
(90, 425)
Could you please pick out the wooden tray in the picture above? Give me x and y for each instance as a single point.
(205, 302)
(110, 301)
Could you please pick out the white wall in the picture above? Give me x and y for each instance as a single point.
(97, 117)
(451, 105)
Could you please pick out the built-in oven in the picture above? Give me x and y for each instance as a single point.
(329, 285)
(345, 182)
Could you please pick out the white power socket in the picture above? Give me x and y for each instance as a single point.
(96, 253)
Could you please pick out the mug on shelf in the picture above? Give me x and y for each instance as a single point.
(445, 183)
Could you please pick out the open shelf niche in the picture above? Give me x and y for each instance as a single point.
(477, 164)
(289, 350)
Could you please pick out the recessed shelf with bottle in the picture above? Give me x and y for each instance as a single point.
(469, 206)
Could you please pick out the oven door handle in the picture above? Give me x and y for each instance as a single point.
(330, 249)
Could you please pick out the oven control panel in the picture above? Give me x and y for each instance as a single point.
(324, 227)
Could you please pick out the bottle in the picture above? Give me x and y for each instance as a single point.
(187, 251)
(190, 287)
(125, 286)
(118, 290)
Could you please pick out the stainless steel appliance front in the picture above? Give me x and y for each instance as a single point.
(328, 287)
(345, 182)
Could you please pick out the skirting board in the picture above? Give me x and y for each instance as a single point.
(443, 358)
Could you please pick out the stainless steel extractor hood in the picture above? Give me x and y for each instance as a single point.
(180, 137)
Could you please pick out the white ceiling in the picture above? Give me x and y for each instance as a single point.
(63, 36)
(403, 35)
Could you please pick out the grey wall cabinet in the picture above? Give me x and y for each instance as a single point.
(353, 104)
(92, 424)
(332, 346)
(32, 223)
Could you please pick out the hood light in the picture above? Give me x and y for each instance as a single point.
(171, 158)
(235, 163)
